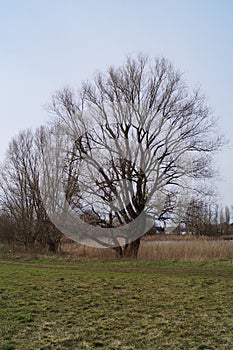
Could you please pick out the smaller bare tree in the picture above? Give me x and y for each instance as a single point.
(20, 195)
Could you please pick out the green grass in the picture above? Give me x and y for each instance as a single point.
(49, 308)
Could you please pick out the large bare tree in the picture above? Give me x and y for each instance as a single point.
(139, 139)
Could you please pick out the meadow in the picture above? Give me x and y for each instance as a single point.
(116, 305)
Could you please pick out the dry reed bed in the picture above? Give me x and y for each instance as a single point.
(151, 250)
(186, 250)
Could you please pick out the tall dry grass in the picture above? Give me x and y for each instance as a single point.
(187, 249)
(82, 252)
(151, 249)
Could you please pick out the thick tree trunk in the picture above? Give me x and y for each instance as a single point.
(53, 246)
(129, 250)
(119, 251)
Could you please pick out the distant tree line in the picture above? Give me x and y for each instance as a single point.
(206, 219)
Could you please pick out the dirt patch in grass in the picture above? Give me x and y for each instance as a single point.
(190, 269)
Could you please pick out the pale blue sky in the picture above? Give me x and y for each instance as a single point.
(47, 44)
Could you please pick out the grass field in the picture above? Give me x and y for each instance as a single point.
(165, 306)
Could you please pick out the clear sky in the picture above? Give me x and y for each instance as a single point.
(48, 44)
